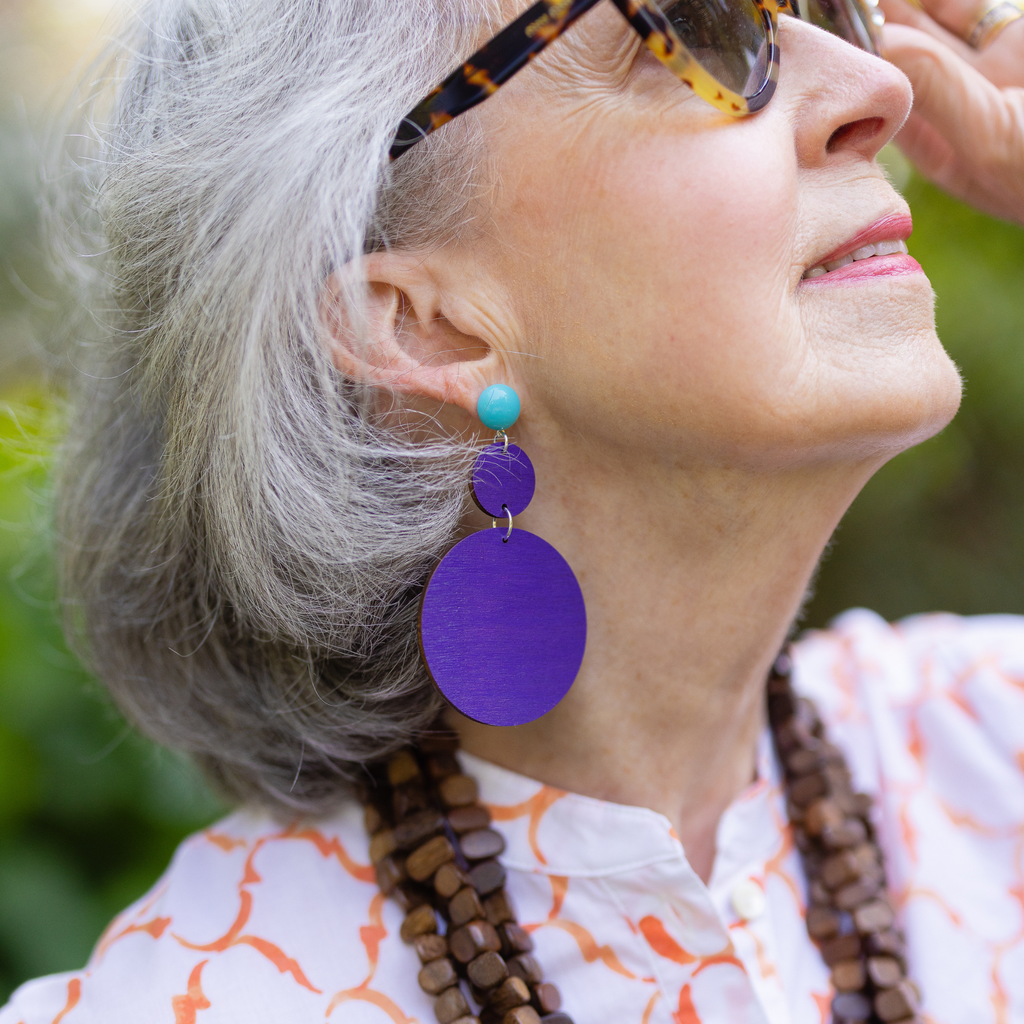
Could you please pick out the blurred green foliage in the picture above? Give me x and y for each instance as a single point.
(90, 812)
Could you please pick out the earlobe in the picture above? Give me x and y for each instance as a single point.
(384, 325)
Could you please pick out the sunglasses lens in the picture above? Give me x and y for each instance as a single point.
(852, 20)
(729, 38)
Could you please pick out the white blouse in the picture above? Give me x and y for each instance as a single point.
(254, 922)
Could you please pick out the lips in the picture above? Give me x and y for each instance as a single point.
(878, 251)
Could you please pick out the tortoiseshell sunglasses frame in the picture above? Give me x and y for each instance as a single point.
(518, 43)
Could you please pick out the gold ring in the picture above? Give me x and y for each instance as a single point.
(992, 17)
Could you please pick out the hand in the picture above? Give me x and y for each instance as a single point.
(966, 131)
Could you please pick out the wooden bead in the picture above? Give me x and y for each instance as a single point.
(849, 832)
(857, 894)
(487, 876)
(557, 1018)
(886, 943)
(382, 845)
(820, 896)
(848, 976)
(458, 791)
(822, 923)
(402, 768)
(793, 734)
(451, 1005)
(484, 843)
(521, 1015)
(866, 857)
(437, 975)
(808, 788)
(440, 766)
(417, 828)
(526, 967)
(839, 869)
(372, 819)
(498, 909)
(430, 947)
(418, 922)
(469, 819)
(820, 815)
(875, 916)
(390, 872)
(472, 939)
(449, 880)
(487, 970)
(780, 707)
(515, 939)
(424, 862)
(409, 799)
(804, 760)
(465, 906)
(547, 998)
(896, 1003)
(467, 1020)
(850, 1008)
(861, 805)
(885, 971)
(512, 992)
(845, 947)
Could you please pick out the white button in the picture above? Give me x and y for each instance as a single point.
(748, 899)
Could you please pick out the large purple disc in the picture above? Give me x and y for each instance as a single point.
(503, 627)
(503, 477)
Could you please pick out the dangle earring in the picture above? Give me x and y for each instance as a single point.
(502, 620)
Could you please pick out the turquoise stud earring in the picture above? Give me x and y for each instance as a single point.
(498, 407)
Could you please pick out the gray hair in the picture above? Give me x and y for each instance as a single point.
(243, 538)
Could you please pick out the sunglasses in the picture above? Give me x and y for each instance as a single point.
(724, 50)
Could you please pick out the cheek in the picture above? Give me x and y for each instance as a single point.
(678, 313)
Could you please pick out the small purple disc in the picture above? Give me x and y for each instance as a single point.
(503, 478)
(503, 627)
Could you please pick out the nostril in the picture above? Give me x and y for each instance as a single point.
(854, 133)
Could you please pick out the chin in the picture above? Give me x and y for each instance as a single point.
(889, 381)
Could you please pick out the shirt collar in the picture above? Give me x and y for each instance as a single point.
(555, 832)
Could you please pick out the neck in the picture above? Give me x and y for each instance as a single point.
(691, 583)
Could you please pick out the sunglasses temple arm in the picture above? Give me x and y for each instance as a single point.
(490, 67)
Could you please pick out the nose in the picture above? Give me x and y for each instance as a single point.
(845, 103)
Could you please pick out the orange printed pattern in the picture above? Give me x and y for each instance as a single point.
(187, 1006)
(74, 994)
(288, 920)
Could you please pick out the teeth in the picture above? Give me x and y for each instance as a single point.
(843, 261)
(886, 248)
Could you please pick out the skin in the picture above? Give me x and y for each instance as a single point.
(699, 417)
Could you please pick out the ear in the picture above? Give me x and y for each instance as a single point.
(417, 338)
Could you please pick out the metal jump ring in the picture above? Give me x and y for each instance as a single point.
(502, 436)
(504, 540)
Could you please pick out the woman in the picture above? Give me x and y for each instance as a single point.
(275, 448)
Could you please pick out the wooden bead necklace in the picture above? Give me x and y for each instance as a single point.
(434, 851)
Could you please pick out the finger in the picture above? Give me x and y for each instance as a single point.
(902, 12)
(930, 153)
(955, 98)
(957, 16)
